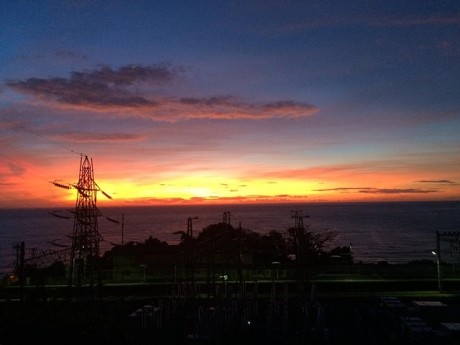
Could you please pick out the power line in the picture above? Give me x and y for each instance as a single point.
(48, 139)
(8, 159)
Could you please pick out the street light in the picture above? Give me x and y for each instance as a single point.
(438, 266)
(276, 264)
(143, 266)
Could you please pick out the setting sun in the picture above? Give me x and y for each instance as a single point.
(293, 107)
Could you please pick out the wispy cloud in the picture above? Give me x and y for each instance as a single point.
(69, 55)
(453, 19)
(7, 184)
(99, 137)
(343, 189)
(448, 182)
(214, 199)
(399, 191)
(316, 172)
(124, 91)
(229, 107)
(374, 21)
(379, 190)
(16, 169)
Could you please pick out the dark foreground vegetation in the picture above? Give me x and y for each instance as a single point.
(218, 251)
(271, 313)
(230, 285)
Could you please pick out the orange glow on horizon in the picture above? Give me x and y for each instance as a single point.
(33, 187)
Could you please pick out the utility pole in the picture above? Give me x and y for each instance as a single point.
(190, 252)
(122, 227)
(226, 218)
(240, 261)
(21, 269)
(437, 253)
(190, 226)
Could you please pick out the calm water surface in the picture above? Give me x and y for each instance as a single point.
(393, 232)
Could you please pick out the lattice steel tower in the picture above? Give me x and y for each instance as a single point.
(85, 238)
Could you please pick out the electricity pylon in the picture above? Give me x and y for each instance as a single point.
(84, 253)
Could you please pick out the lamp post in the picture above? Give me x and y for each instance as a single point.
(143, 266)
(276, 265)
(438, 266)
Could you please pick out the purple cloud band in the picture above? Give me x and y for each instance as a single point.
(123, 91)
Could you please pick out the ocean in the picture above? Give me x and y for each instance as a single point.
(396, 232)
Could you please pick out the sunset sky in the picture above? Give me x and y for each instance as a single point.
(230, 101)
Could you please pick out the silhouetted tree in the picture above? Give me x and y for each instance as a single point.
(308, 247)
